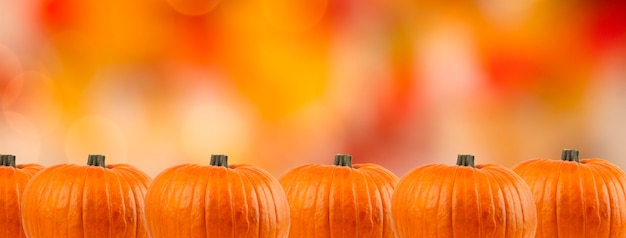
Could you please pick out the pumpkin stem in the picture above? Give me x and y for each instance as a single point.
(570, 155)
(219, 160)
(343, 160)
(465, 160)
(7, 160)
(96, 160)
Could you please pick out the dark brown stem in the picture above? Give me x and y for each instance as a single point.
(465, 160)
(7, 160)
(570, 155)
(219, 160)
(343, 160)
(96, 160)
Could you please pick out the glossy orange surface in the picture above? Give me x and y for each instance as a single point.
(439, 200)
(12, 183)
(192, 200)
(577, 199)
(69, 200)
(340, 201)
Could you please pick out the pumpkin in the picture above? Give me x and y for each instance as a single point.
(340, 200)
(93, 200)
(13, 179)
(577, 197)
(463, 200)
(217, 200)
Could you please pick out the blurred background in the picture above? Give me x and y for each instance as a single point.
(280, 83)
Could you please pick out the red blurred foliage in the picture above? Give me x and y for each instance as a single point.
(59, 14)
(512, 71)
(196, 39)
(607, 25)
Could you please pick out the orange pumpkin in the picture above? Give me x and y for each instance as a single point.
(95, 200)
(13, 179)
(216, 201)
(465, 200)
(340, 200)
(577, 197)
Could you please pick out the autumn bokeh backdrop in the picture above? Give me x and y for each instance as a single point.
(279, 83)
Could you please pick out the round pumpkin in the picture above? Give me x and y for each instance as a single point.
(13, 179)
(217, 200)
(463, 200)
(577, 197)
(340, 200)
(93, 200)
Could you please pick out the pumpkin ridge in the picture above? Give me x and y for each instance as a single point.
(207, 192)
(475, 175)
(132, 174)
(91, 188)
(424, 218)
(526, 232)
(5, 190)
(57, 201)
(271, 187)
(163, 195)
(490, 193)
(452, 193)
(262, 204)
(198, 187)
(243, 176)
(324, 202)
(51, 175)
(328, 192)
(499, 191)
(401, 191)
(386, 174)
(458, 196)
(527, 174)
(82, 188)
(595, 190)
(107, 191)
(602, 171)
(244, 197)
(609, 191)
(365, 173)
(120, 177)
(337, 189)
(348, 163)
(184, 181)
(581, 188)
(287, 181)
(230, 195)
(212, 201)
(556, 201)
(520, 182)
(21, 179)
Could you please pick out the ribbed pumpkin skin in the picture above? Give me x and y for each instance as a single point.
(215, 201)
(585, 199)
(12, 184)
(70, 200)
(460, 201)
(339, 201)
